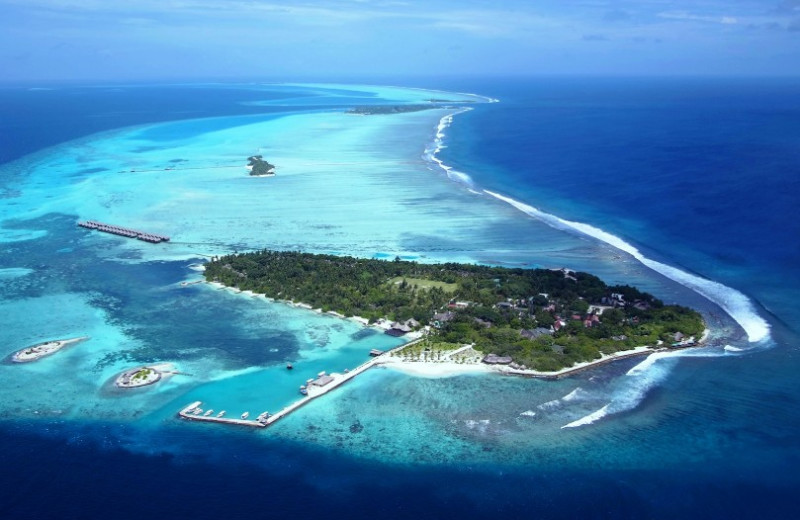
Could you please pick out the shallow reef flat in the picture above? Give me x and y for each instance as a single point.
(364, 186)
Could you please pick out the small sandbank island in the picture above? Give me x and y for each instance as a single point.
(546, 322)
(259, 167)
(144, 375)
(46, 348)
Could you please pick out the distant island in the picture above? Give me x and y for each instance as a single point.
(539, 319)
(390, 109)
(435, 100)
(259, 167)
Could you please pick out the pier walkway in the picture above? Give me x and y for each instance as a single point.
(186, 413)
(314, 391)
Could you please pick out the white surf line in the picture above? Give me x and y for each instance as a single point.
(432, 153)
(737, 305)
(589, 419)
(734, 303)
(633, 388)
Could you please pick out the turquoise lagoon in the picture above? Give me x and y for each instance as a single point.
(345, 184)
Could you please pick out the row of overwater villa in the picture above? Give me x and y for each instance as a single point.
(125, 232)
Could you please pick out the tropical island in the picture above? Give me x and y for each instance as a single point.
(389, 109)
(44, 349)
(539, 319)
(259, 167)
(143, 376)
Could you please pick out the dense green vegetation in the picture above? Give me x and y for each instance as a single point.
(142, 374)
(260, 166)
(544, 319)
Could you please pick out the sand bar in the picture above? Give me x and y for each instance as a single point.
(46, 348)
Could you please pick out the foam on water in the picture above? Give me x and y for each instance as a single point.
(736, 304)
(632, 388)
(432, 153)
(731, 348)
(578, 393)
(589, 419)
(575, 395)
(650, 372)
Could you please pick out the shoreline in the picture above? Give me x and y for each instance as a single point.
(381, 325)
(152, 374)
(44, 349)
(451, 368)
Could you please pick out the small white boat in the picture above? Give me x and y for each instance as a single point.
(220, 414)
(208, 412)
(197, 411)
(245, 415)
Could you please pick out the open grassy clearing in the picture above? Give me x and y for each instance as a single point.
(421, 283)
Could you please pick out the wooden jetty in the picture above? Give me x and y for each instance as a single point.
(323, 384)
(124, 232)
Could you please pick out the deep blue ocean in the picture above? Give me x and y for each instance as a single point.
(703, 173)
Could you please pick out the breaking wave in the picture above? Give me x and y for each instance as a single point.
(432, 152)
(576, 395)
(634, 387)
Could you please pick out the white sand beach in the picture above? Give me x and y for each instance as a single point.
(41, 350)
(432, 368)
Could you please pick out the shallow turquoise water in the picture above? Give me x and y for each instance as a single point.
(362, 185)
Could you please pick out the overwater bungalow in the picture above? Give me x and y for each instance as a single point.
(494, 359)
(125, 232)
